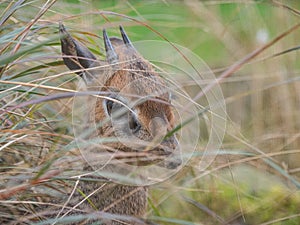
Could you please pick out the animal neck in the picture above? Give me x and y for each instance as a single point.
(114, 198)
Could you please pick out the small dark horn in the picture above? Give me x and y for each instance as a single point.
(125, 38)
(111, 55)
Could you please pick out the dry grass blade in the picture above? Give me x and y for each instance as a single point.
(280, 4)
(5, 194)
(236, 66)
(254, 177)
(10, 10)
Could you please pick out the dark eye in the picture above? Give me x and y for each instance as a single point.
(112, 104)
(112, 107)
(134, 124)
(109, 105)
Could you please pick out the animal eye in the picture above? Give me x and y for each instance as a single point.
(134, 124)
(109, 105)
(119, 111)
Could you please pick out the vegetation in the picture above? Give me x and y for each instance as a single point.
(251, 46)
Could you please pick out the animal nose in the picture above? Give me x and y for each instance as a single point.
(172, 162)
(167, 147)
(172, 159)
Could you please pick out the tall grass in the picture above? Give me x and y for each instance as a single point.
(254, 178)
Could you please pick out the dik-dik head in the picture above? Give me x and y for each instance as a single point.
(136, 110)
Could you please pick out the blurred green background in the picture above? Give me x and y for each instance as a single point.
(254, 178)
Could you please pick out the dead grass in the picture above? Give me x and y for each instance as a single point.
(255, 176)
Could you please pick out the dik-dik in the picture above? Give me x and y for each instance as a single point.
(130, 88)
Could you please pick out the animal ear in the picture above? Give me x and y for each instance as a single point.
(111, 55)
(76, 55)
(125, 38)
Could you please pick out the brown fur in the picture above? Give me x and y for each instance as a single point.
(135, 77)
